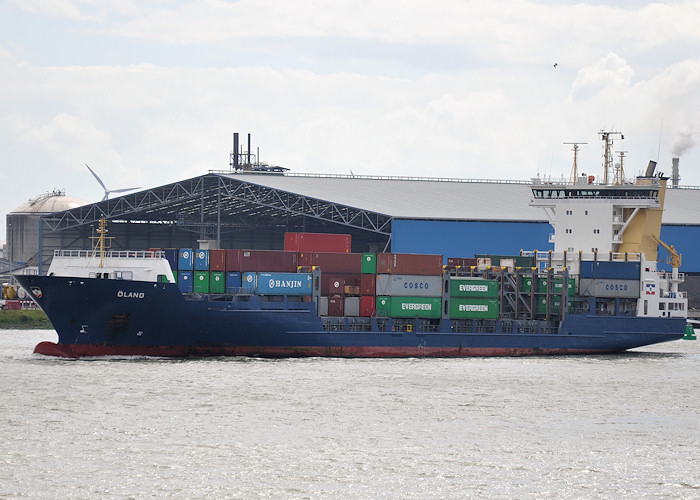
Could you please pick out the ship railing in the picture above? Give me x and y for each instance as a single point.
(669, 276)
(112, 254)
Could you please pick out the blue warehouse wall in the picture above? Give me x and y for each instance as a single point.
(467, 238)
(686, 241)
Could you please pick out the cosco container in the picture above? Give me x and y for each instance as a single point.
(217, 282)
(409, 285)
(332, 262)
(270, 261)
(233, 281)
(409, 307)
(217, 260)
(369, 263)
(185, 259)
(474, 308)
(351, 306)
(317, 242)
(284, 284)
(201, 260)
(184, 281)
(201, 282)
(615, 270)
(473, 287)
(609, 288)
(408, 263)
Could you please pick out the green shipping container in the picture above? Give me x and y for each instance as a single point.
(217, 282)
(201, 282)
(369, 263)
(409, 307)
(461, 308)
(556, 286)
(473, 287)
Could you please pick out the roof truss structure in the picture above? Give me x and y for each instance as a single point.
(221, 200)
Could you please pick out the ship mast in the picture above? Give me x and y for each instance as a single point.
(102, 241)
(607, 138)
(575, 149)
(619, 169)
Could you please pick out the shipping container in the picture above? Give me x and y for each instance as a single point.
(332, 262)
(368, 284)
(317, 242)
(368, 305)
(409, 263)
(352, 306)
(510, 260)
(249, 281)
(409, 285)
(526, 285)
(369, 263)
(185, 259)
(336, 283)
(616, 270)
(233, 281)
(409, 307)
(323, 306)
(474, 308)
(351, 290)
(268, 261)
(473, 287)
(217, 260)
(170, 255)
(184, 281)
(609, 288)
(284, 284)
(201, 282)
(201, 260)
(336, 306)
(455, 262)
(217, 282)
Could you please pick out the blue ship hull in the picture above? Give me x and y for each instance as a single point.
(95, 317)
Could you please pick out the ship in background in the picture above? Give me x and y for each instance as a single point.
(598, 291)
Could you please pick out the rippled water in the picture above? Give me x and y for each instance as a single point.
(580, 427)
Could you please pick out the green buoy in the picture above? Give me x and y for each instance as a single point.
(689, 333)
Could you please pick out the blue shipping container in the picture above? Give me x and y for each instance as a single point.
(201, 260)
(185, 259)
(603, 269)
(233, 282)
(248, 281)
(171, 256)
(284, 283)
(184, 281)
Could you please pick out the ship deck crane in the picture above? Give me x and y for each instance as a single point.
(675, 261)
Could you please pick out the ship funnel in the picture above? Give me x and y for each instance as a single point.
(650, 169)
(674, 172)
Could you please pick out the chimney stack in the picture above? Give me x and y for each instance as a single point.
(674, 172)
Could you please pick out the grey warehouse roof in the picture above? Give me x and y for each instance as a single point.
(456, 199)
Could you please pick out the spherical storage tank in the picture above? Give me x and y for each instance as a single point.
(23, 223)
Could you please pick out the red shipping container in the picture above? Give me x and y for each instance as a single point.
(368, 304)
(368, 284)
(336, 306)
(217, 260)
(317, 242)
(336, 283)
(460, 262)
(274, 261)
(332, 262)
(409, 263)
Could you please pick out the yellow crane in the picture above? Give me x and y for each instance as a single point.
(675, 256)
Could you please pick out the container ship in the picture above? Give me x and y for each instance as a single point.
(317, 298)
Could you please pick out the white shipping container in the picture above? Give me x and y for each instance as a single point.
(352, 306)
(409, 285)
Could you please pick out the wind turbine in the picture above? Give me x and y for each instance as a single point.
(107, 191)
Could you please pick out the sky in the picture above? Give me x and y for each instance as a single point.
(148, 92)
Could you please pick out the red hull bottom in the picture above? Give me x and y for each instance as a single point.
(85, 350)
